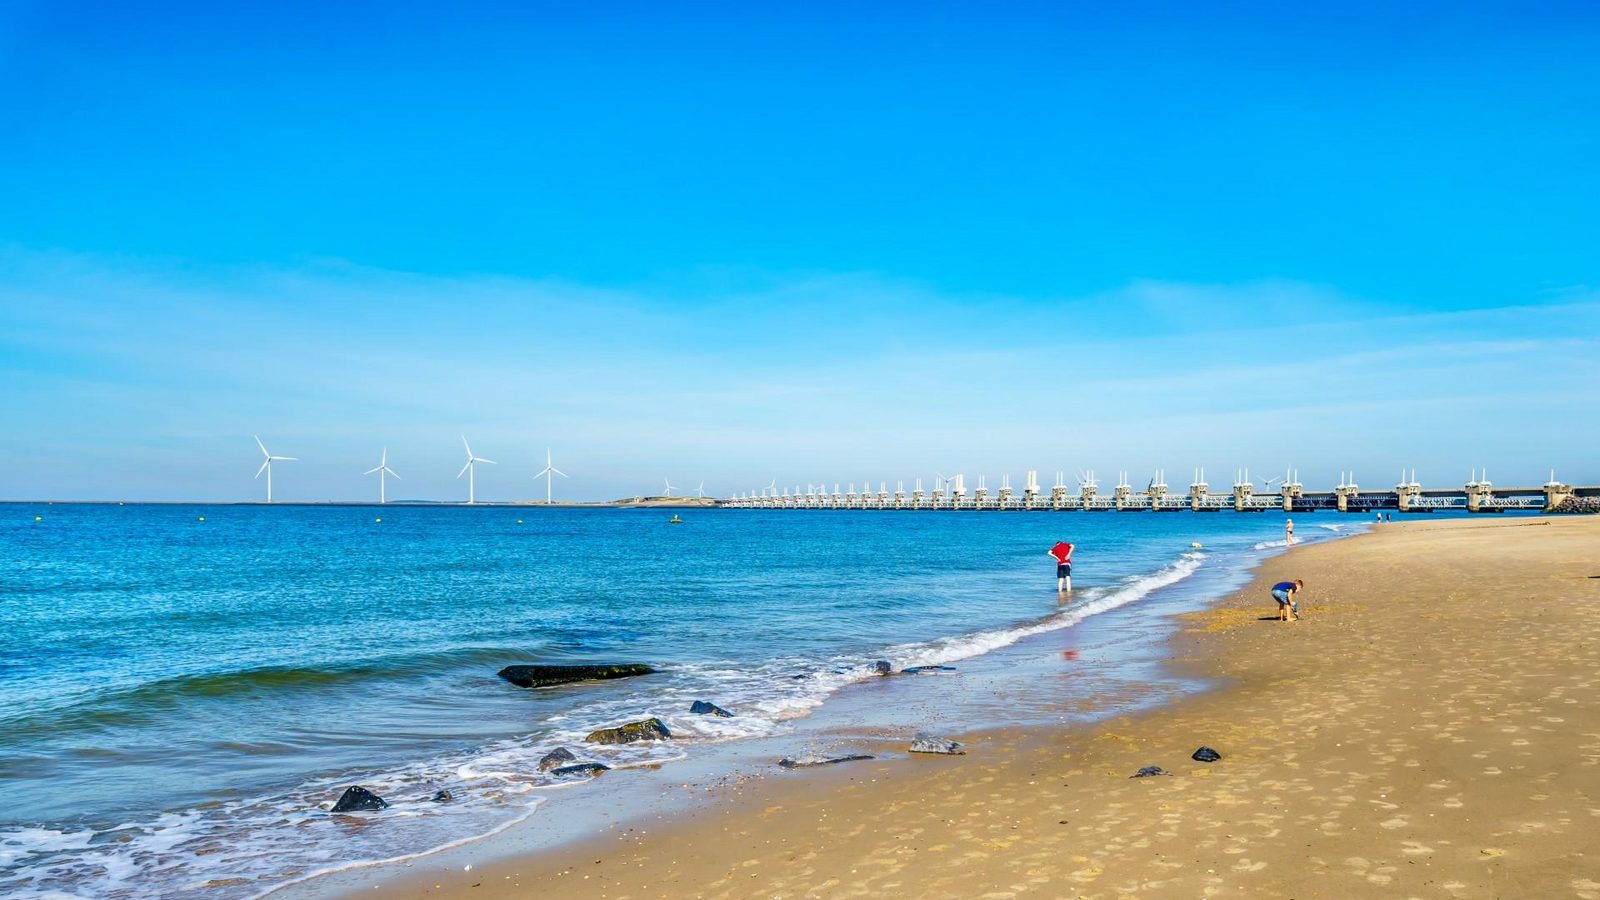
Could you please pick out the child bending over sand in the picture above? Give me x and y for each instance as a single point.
(1285, 593)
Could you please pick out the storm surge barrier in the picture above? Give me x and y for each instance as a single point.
(1478, 495)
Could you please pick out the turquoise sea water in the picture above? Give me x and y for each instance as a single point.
(180, 700)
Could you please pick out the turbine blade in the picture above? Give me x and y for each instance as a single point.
(262, 446)
(559, 472)
(264, 463)
(543, 472)
(464, 469)
(466, 445)
(290, 458)
(489, 461)
(371, 470)
(394, 473)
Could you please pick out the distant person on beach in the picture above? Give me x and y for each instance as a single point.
(1062, 554)
(1288, 531)
(1286, 593)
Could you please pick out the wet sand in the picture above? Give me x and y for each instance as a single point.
(1430, 729)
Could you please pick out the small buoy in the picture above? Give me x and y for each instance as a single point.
(519, 521)
(38, 518)
(202, 518)
(1195, 545)
(378, 519)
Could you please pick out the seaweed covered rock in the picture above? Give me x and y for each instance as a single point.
(442, 797)
(560, 756)
(924, 670)
(882, 667)
(590, 769)
(927, 743)
(1149, 771)
(707, 708)
(1206, 754)
(358, 798)
(651, 729)
(543, 676)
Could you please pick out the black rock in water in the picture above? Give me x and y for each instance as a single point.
(646, 730)
(359, 798)
(707, 708)
(927, 743)
(1206, 754)
(582, 769)
(560, 756)
(1148, 771)
(443, 797)
(918, 670)
(541, 676)
(882, 667)
(789, 762)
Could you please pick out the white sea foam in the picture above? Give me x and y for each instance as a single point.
(251, 847)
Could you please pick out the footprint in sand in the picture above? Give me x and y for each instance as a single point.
(1396, 822)
(1414, 848)
(1245, 865)
(1491, 852)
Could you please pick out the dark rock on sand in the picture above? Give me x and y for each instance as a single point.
(921, 670)
(646, 730)
(582, 769)
(359, 798)
(882, 667)
(1148, 771)
(540, 676)
(927, 743)
(1206, 754)
(789, 762)
(442, 797)
(560, 756)
(707, 708)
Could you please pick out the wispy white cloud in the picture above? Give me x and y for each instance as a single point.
(738, 376)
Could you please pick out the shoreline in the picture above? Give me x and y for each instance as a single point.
(1116, 656)
(1291, 817)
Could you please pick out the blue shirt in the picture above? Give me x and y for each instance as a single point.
(1285, 586)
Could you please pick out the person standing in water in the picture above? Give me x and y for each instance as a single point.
(1288, 531)
(1062, 554)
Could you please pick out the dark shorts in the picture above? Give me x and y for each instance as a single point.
(1063, 570)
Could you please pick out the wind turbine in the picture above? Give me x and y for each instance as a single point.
(701, 491)
(266, 465)
(471, 470)
(549, 473)
(383, 470)
(670, 488)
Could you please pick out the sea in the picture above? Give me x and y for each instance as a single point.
(186, 690)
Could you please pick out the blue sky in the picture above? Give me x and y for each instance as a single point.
(807, 242)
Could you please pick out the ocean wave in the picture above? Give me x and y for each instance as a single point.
(102, 707)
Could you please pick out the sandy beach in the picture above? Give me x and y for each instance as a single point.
(1429, 729)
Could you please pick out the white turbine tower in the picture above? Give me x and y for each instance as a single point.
(549, 474)
(471, 470)
(383, 470)
(701, 490)
(670, 488)
(266, 465)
